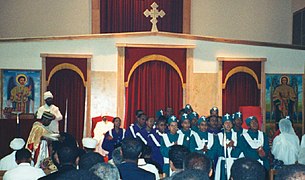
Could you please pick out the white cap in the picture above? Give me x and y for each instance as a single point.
(47, 95)
(17, 143)
(89, 142)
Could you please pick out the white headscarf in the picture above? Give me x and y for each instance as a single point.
(286, 146)
(301, 159)
(303, 141)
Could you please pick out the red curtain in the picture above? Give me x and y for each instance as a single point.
(67, 87)
(241, 90)
(127, 15)
(153, 85)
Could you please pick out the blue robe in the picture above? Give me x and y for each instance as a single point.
(154, 141)
(132, 131)
(110, 145)
(249, 146)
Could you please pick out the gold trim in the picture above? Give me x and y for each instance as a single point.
(241, 59)
(146, 34)
(241, 69)
(155, 57)
(170, 46)
(67, 66)
(45, 55)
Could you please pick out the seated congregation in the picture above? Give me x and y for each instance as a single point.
(187, 146)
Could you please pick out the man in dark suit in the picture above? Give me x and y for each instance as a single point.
(129, 170)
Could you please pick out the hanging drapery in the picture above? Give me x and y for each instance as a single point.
(127, 15)
(68, 87)
(158, 69)
(241, 90)
(241, 81)
(153, 85)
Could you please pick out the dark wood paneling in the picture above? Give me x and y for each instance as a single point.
(9, 130)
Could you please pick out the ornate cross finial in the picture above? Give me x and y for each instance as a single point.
(154, 14)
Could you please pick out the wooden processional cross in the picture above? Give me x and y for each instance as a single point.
(154, 14)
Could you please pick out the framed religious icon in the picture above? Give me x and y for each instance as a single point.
(20, 91)
(284, 99)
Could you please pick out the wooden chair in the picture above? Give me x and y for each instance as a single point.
(97, 119)
(272, 173)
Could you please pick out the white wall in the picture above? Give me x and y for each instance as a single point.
(29, 18)
(258, 20)
(297, 5)
(26, 55)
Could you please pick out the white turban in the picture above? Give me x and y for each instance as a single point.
(17, 143)
(89, 142)
(47, 95)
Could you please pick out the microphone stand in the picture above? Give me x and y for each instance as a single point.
(17, 122)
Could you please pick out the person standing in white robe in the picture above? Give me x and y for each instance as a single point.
(50, 107)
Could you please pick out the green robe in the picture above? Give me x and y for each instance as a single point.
(231, 154)
(251, 151)
(195, 128)
(187, 137)
(167, 141)
(212, 142)
(240, 132)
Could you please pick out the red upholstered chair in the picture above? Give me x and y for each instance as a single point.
(97, 119)
(248, 111)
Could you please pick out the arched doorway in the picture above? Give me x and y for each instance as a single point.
(69, 95)
(241, 90)
(153, 85)
(63, 68)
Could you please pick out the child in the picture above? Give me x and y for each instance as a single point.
(169, 139)
(186, 130)
(151, 138)
(237, 122)
(114, 137)
(229, 150)
(204, 142)
(194, 121)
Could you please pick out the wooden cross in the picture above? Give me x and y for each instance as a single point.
(154, 14)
